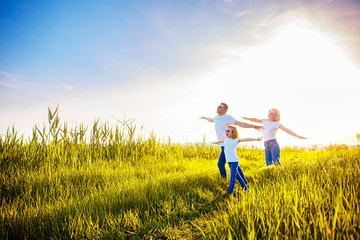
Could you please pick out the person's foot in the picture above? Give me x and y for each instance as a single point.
(246, 191)
(229, 194)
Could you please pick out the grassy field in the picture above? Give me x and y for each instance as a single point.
(110, 183)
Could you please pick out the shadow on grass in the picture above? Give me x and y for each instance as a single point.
(156, 209)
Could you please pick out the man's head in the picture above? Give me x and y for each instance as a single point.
(222, 109)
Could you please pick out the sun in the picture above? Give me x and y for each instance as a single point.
(306, 54)
(296, 51)
(297, 54)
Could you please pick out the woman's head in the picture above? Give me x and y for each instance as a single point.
(274, 115)
(231, 132)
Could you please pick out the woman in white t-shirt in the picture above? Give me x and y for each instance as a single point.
(271, 125)
(230, 146)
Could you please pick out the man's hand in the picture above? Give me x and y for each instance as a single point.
(206, 118)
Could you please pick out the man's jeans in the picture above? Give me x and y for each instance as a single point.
(272, 153)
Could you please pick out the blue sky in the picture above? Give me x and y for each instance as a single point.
(165, 63)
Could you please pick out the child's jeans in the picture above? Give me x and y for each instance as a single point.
(221, 166)
(235, 175)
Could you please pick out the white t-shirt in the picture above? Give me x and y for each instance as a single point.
(270, 129)
(221, 122)
(230, 149)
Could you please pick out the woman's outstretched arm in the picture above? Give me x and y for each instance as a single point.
(288, 131)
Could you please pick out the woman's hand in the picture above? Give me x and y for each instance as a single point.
(302, 137)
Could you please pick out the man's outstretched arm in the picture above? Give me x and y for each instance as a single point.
(246, 125)
(207, 119)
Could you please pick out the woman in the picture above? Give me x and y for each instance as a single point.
(271, 125)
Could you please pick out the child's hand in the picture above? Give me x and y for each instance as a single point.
(259, 138)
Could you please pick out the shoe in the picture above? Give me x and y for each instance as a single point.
(229, 194)
(246, 191)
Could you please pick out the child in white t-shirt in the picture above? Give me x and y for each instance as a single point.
(230, 146)
(271, 125)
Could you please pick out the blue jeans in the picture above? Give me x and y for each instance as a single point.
(222, 169)
(272, 153)
(235, 175)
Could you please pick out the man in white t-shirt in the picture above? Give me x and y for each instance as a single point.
(222, 120)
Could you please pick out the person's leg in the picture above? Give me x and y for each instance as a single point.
(268, 156)
(241, 180)
(241, 175)
(233, 172)
(275, 153)
(221, 164)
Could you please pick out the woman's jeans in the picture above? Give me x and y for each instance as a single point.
(235, 175)
(272, 153)
(221, 165)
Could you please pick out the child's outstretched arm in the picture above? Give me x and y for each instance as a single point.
(253, 119)
(250, 139)
(288, 131)
(207, 119)
(222, 141)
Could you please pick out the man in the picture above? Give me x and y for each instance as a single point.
(222, 120)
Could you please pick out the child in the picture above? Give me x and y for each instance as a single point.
(271, 125)
(231, 141)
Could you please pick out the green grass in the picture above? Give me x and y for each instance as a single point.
(315, 198)
(112, 183)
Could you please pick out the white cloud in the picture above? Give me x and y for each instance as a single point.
(69, 87)
(10, 80)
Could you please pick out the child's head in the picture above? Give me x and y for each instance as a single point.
(231, 132)
(274, 115)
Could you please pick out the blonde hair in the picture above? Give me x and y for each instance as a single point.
(234, 132)
(274, 115)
